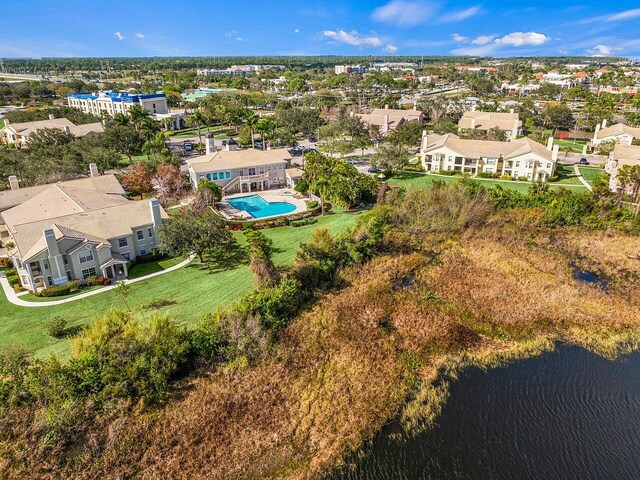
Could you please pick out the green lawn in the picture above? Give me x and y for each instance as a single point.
(573, 146)
(1, 122)
(591, 174)
(31, 298)
(141, 269)
(567, 176)
(421, 180)
(220, 132)
(187, 293)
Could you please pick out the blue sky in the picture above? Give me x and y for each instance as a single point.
(34, 28)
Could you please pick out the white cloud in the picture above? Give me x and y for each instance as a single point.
(353, 38)
(230, 33)
(483, 39)
(391, 48)
(296, 31)
(240, 39)
(404, 13)
(139, 35)
(601, 50)
(456, 37)
(518, 39)
(119, 36)
(460, 15)
(626, 15)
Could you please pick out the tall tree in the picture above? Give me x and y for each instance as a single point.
(261, 263)
(137, 179)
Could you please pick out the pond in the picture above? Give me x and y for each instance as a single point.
(567, 414)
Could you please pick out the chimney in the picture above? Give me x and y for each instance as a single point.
(385, 127)
(473, 122)
(595, 134)
(52, 244)
(511, 111)
(51, 116)
(550, 143)
(156, 217)
(6, 122)
(13, 182)
(423, 147)
(210, 143)
(415, 106)
(604, 123)
(554, 153)
(386, 106)
(93, 170)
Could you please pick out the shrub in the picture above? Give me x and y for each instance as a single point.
(5, 263)
(523, 179)
(106, 282)
(506, 177)
(56, 327)
(13, 279)
(17, 287)
(275, 306)
(449, 173)
(302, 186)
(312, 204)
(74, 285)
(56, 291)
(303, 222)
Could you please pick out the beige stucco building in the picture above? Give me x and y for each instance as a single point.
(518, 158)
(509, 123)
(620, 156)
(619, 133)
(19, 133)
(73, 230)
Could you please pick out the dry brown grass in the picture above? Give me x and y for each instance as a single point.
(375, 350)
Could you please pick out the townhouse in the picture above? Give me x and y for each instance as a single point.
(18, 134)
(622, 155)
(619, 133)
(509, 123)
(73, 230)
(520, 158)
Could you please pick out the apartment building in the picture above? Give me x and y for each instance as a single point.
(387, 119)
(238, 171)
(77, 229)
(619, 133)
(518, 158)
(350, 69)
(18, 134)
(111, 103)
(621, 156)
(509, 123)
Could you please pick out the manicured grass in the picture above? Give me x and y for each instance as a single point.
(142, 269)
(573, 146)
(189, 292)
(31, 298)
(219, 131)
(567, 176)
(421, 180)
(1, 122)
(591, 174)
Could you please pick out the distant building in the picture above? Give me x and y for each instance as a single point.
(387, 119)
(117, 102)
(519, 158)
(350, 69)
(19, 133)
(509, 123)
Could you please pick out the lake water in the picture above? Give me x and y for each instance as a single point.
(567, 414)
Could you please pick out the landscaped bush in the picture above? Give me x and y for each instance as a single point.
(449, 173)
(56, 327)
(302, 186)
(55, 291)
(303, 222)
(17, 287)
(13, 279)
(523, 179)
(5, 263)
(74, 285)
(506, 177)
(312, 204)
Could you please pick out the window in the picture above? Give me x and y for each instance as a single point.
(84, 257)
(127, 256)
(518, 163)
(140, 235)
(88, 272)
(122, 242)
(150, 231)
(143, 250)
(49, 280)
(45, 264)
(227, 175)
(69, 275)
(208, 175)
(280, 167)
(65, 259)
(548, 165)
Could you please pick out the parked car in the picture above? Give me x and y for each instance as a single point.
(373, 170)
(258, 145)
(584, 161)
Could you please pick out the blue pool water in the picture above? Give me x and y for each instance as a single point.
(258, 207)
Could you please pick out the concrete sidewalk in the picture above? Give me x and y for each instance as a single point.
(581, 178)
(16, 300)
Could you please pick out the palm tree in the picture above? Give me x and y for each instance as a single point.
(166, 123)
(265, 126)
(198, 120)
(121, 119)
(148, 128)
(138, 113)
(251, 119)
(320, 186)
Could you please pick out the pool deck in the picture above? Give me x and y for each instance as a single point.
(277, 195)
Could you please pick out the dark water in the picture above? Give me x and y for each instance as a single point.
(567, 414)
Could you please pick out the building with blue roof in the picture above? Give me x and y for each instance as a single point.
(111, 103)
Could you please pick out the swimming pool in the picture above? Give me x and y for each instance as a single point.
(258, 207)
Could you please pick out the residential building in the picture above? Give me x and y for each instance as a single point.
(619, 132)
(293, 176)
(350, 69)
(518, 158)
(387, 119)
(238, 171)
(74, 230)
(620, 156)
(117, 102)
(19, 133)
(509, 123)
